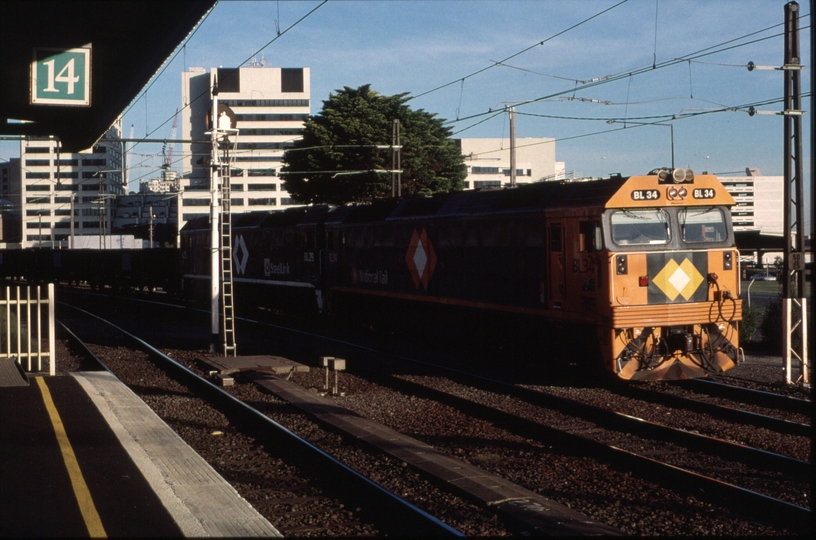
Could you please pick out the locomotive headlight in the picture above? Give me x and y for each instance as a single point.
(621, 265)
(682, 193)
(681, 176)
(675, 176)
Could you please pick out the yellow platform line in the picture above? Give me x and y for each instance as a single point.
(83, 495)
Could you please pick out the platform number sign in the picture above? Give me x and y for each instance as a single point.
(61, 76)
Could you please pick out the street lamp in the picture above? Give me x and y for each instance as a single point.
(671, 126)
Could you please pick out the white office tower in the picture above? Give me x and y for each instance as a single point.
(270, 105)
(488, 161)
(52, 185)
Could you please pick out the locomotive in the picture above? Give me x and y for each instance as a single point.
(644, 268)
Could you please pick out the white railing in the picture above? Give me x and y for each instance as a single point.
(27, 328)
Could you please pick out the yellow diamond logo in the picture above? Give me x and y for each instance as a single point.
(678, 279)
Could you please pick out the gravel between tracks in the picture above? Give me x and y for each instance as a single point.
(615, 497)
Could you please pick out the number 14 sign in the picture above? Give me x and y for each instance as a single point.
(61, 76)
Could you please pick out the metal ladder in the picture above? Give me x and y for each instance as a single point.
(227, 306)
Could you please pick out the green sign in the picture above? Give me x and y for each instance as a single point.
(61, 76)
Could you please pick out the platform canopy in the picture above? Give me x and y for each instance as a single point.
(70, 68)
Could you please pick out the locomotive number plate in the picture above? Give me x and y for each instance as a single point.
(645, 195)
(704, 193)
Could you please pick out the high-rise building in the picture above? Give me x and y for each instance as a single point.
(759, 201)
(49, 184)
(270, 106)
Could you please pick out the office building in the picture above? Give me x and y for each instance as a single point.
(270, 105)
(488, 161)
(50, 186)
(759, 201)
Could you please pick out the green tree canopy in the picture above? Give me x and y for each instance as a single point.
(334, 160)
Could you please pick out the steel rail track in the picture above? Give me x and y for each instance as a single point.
(403, 516)
(750, 504)
(747, 395)
(721, 412)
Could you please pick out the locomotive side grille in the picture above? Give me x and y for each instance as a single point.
(675, 314)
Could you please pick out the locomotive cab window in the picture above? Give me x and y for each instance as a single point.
(644, 226)
(706, 224)
(589, 236)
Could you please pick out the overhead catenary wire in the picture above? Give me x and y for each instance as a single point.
(542, 42)
(612, 78)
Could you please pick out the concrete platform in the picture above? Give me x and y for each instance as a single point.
(82, 455)
(11, 374)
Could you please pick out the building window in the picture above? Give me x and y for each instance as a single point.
(38, 150)
(263, 202)
(37, 162)
(271, 118)
(37, 200)
(68, 162)
(38, 175)
(229, 80)
(261, 172)
(195, 202)
(262, 187)
(237, 202)
(288, 201)
(35, 213)
(257, 159)
(97, 161)
(38, 225)
(38, 187)
(484, 170)
(271, 131)
(291, 80)
(486, 184)
(265, 102)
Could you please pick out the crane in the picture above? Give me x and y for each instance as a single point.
(169, 159)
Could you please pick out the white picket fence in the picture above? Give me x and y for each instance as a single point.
(27, 327)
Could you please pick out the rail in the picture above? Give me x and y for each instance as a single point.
(27, 327)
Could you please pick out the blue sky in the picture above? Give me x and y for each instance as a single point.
(433, 50)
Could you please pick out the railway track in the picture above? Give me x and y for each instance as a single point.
(781, 414)
(291, 485)
(532, 455)
(661, 453)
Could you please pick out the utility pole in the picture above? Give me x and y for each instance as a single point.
(215, 212)
(396, 175)
(794, 309)
(512, 147)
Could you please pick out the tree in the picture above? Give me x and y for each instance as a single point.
(334, 161)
